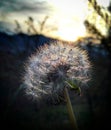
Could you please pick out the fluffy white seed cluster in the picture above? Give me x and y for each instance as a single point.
(51, 66)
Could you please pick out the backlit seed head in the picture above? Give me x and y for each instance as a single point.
(52, 65)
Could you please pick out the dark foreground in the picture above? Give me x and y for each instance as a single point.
(92, 109)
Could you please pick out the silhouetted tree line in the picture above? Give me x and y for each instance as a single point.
(105, 15)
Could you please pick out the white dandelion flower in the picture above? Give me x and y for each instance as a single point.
(52, 65)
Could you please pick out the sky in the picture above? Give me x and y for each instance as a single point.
(65, 17)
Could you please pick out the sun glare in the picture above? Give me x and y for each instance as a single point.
(71, 33)
(70, 17)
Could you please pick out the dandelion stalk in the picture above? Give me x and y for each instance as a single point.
(70, 109)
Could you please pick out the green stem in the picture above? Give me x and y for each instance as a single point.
(70, 110)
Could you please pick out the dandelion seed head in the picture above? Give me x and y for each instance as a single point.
(51, 66)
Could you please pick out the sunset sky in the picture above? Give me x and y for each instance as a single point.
(67, 16)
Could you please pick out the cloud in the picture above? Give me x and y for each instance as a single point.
(7, 27)
(23, 6)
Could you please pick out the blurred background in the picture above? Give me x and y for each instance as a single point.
(27, 25)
